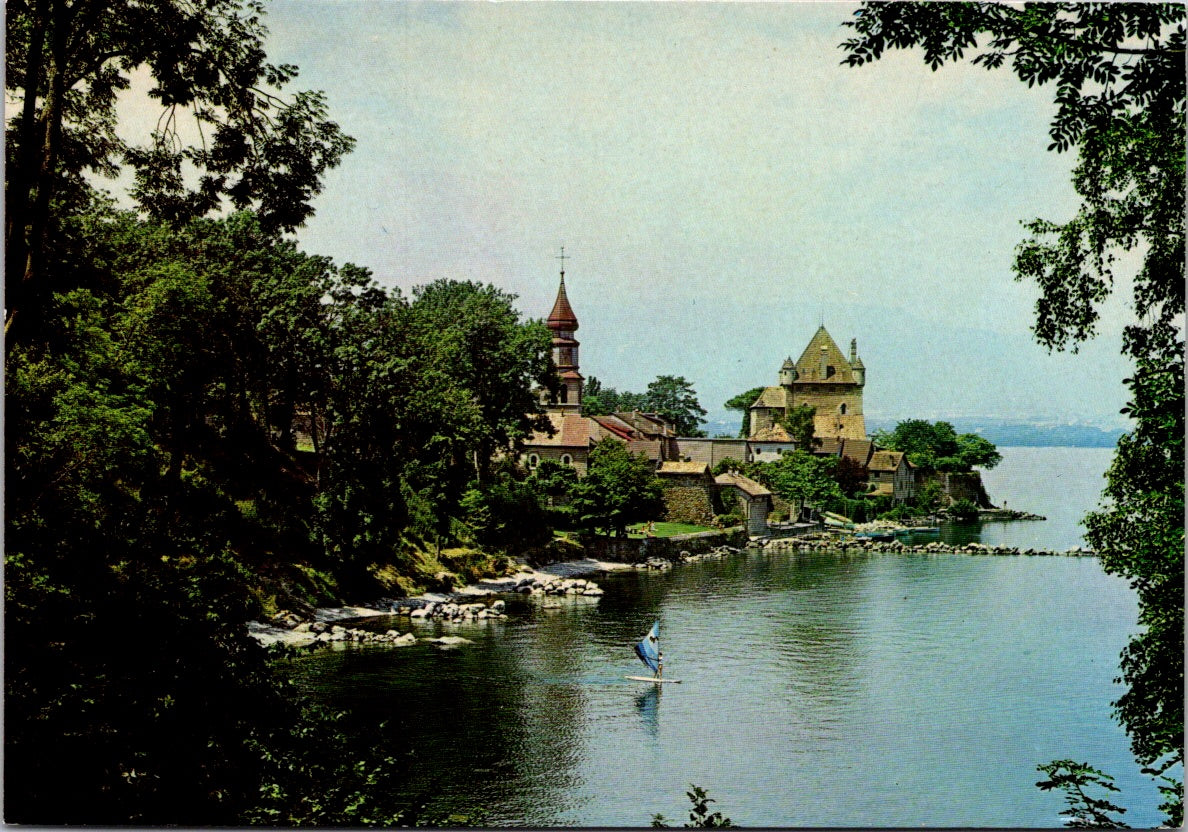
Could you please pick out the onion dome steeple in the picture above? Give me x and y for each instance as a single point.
(563, 323)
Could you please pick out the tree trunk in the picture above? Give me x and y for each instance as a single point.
(20, 174)
(37, 218)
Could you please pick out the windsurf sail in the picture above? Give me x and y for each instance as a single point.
(648, 650)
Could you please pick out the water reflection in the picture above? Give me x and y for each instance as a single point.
(648, 705)
(864, 679)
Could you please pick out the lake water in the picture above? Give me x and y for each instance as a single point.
(818, 689)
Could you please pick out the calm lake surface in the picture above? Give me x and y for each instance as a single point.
(819, 689)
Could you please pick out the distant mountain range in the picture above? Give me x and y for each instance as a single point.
(1004, 432)
(1019, 433)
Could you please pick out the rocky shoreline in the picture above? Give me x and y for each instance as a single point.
(830, 543)
(470, 604)
(477, 603)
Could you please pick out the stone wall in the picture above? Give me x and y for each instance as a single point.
(689, 504)
(711, 451)
(965, 486)
(636, 550)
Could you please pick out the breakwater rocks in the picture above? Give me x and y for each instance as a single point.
(936, 547)
(660, 564)
(288, 628)
(536, 585)
(451, 611)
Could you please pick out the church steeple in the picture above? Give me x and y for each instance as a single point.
(564, 323)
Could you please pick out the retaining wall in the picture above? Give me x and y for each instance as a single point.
(637, 550)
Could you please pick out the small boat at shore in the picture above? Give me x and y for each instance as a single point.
(837, 521)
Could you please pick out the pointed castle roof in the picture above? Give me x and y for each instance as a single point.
(822, 346)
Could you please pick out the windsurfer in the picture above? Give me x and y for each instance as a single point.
(660, 665)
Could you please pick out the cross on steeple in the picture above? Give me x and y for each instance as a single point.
(563, 258)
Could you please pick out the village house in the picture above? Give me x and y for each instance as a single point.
(891, 475)
(689, 490)
(753, 500)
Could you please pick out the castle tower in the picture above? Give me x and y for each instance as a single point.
(856, 364)
(787, 373)
(564, 323)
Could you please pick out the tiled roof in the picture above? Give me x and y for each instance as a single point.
(685, 468)
(616, 426)
(570, 431)
(775, 433)
(858, 450)
(647, 423)
(744, 484)
(808, 368)
(827, 446)
(885, 460)
(772, 397)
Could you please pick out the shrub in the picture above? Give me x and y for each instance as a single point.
(964, 510)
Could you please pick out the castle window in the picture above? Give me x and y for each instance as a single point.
(566, 459)
(842, 408)
(533, 460)
(564, 393)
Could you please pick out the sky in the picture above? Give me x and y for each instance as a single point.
(721, 183)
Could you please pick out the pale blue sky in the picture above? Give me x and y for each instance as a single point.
(721, 183)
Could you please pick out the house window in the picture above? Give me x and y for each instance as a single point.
(533, 460)
(842, 409)
(566, 459)
(564, 393)
(830, 371)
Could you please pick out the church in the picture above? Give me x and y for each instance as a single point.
(574, 434)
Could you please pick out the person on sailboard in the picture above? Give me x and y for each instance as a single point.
(660, 665)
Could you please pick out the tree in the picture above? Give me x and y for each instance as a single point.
(800, 476)
(922, 441)
(700, 817)
(620, 488)
(977, 450)
(800, 422)
(1120, 96)
(742, 403)
(674, 398)
(68, 60)
(851, 476)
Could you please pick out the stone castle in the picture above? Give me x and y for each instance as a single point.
(823, 379)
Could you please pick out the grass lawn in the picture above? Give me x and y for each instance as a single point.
(668, 529)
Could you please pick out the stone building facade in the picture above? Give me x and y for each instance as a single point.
(824, 379)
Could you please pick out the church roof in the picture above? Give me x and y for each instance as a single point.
(808, 368)
(562, 316)
(569, 431)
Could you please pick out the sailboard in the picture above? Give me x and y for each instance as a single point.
(654, 680)
(648, 651)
